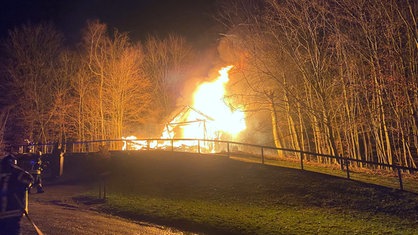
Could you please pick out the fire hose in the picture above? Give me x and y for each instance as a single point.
(33, 223)
(25, 212)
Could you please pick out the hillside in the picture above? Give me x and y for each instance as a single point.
(216, 195)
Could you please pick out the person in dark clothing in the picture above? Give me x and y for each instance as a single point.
(36, 172)
(14, 182)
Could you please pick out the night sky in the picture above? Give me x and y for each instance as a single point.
(193, 19)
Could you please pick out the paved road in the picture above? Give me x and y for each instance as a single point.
(55, 213)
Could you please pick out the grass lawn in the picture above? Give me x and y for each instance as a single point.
(216, 195)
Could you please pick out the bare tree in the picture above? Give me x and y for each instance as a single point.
(353, 88)
(274, 47)
(166, 64)
(33, 52)
(117, 91)
(4, 117)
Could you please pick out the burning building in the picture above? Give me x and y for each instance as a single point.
(209, 118)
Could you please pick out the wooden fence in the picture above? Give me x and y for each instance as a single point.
(258, 153)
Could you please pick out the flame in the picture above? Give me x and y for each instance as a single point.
(210, 118)
(133, 143)
(209, 98)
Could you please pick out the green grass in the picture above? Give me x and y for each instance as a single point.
(216, 195)
(241, 218)
(386, 178)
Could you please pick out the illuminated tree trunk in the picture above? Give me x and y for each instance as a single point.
(95, 40)
(301, 137)
(274, 122)
(295, 140)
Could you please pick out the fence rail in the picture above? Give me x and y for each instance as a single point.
(229, 148)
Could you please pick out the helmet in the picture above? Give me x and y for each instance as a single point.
(9, 160)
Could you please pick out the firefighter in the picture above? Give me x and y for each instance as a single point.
(14, 182)
(36, 172)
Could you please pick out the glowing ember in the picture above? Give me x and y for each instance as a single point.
(133, 143)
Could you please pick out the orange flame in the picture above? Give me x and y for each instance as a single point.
(209, 102)
(209, 99)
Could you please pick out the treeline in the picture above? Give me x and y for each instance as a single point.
(337, 77)
(334, 77)
(102, 88)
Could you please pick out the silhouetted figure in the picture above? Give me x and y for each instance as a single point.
(14, 182)
(36, 172)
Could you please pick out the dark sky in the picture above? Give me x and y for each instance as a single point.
(193, 19)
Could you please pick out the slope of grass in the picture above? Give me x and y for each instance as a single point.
(217, 195)
(388, 178)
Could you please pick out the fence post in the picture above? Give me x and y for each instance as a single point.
(301, 160)
(262, 155)
(172, 145)
(400, 177)
(347, 163)
(341, 162)
(227, 148)
(198, 146)
(102, 188)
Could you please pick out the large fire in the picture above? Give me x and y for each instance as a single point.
(209, 118)
(209, 99)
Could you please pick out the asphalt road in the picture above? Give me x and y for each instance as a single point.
(56, 213)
